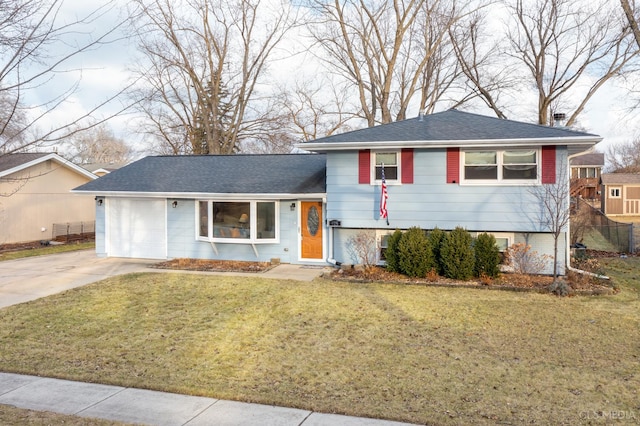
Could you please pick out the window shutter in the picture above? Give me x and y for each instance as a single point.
(364, 163)
(548, 164)
(453, 165)
(406, 163)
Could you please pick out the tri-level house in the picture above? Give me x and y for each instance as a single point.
(442, 170)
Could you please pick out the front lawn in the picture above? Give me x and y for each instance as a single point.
(34, 250)
(405, 352)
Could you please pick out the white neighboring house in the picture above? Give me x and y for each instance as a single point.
(35, 194)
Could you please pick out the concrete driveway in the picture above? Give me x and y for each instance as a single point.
(30, 278)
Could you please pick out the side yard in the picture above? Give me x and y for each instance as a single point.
(405, 352)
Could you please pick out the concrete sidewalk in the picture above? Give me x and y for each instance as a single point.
(156, 408)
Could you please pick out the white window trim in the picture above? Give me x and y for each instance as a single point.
(372, 169)
(618, 188)
(500, 181)
(380, 234)
(253, 209)
(510, 237)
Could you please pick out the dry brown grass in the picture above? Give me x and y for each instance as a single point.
(414, 353)
(11, 416)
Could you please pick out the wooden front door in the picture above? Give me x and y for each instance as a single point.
(311, 229)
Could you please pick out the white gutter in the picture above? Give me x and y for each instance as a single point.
(588, 141)
(202, 195)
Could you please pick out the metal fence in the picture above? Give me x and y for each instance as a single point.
(73, 231)
(620, 235)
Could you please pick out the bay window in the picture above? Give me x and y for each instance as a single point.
(238, 221)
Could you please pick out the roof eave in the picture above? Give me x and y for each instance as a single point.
(54, 157)
(580, 142)
(204, 195)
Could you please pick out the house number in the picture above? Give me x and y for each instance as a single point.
(313, 221)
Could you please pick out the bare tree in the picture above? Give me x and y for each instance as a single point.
(629, 11)
(316, 108)
(388, 50)
(559, 44)
(37, 48)
(488, 76)
(98, 145)
(624, 157)
(204, 65)
(553, 199)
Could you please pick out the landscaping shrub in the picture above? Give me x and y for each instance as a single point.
(391, 253)
(523, 260)
(363, 248)
(436, 237)
(487, 256)
(415, 256)
(458, 255)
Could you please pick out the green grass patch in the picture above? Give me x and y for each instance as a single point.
(40, 251)
(419, 354)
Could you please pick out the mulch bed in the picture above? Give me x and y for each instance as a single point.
(214, 265)
(580, 285)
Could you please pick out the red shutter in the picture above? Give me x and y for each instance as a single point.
(364, 164)
(453, 165)
(406, 164)
(548, 164)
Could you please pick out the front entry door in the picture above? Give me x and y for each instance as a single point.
(311, 229)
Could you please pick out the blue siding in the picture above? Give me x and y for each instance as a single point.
(429, 201)
(182, 242)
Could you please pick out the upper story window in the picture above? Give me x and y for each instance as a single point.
(238, 221)
(515, 165)
(391, 166)
(587, 172)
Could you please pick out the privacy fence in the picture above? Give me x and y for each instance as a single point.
(72, 231)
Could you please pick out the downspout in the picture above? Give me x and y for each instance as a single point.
(330, 259)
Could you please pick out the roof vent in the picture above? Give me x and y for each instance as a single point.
(420, 115)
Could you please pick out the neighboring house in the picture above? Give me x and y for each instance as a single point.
(35, 194)
(442, 170)
(585, 175)
(620, 194)
(101, 169)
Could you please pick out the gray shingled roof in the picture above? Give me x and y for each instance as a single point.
(588, 159)
(620, 178)
(217, 174)
(9, 161)
(451, 125)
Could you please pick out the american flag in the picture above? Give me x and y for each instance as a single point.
(384, 214)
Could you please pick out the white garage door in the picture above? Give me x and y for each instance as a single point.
(136, 228)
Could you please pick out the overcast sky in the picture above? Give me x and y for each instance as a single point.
(105, 72)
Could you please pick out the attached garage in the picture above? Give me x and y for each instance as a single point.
(136, 228)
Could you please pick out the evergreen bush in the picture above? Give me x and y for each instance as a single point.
(487, 256)
(458, 255)
(415, 256)
(436, 237)
(391, 253)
